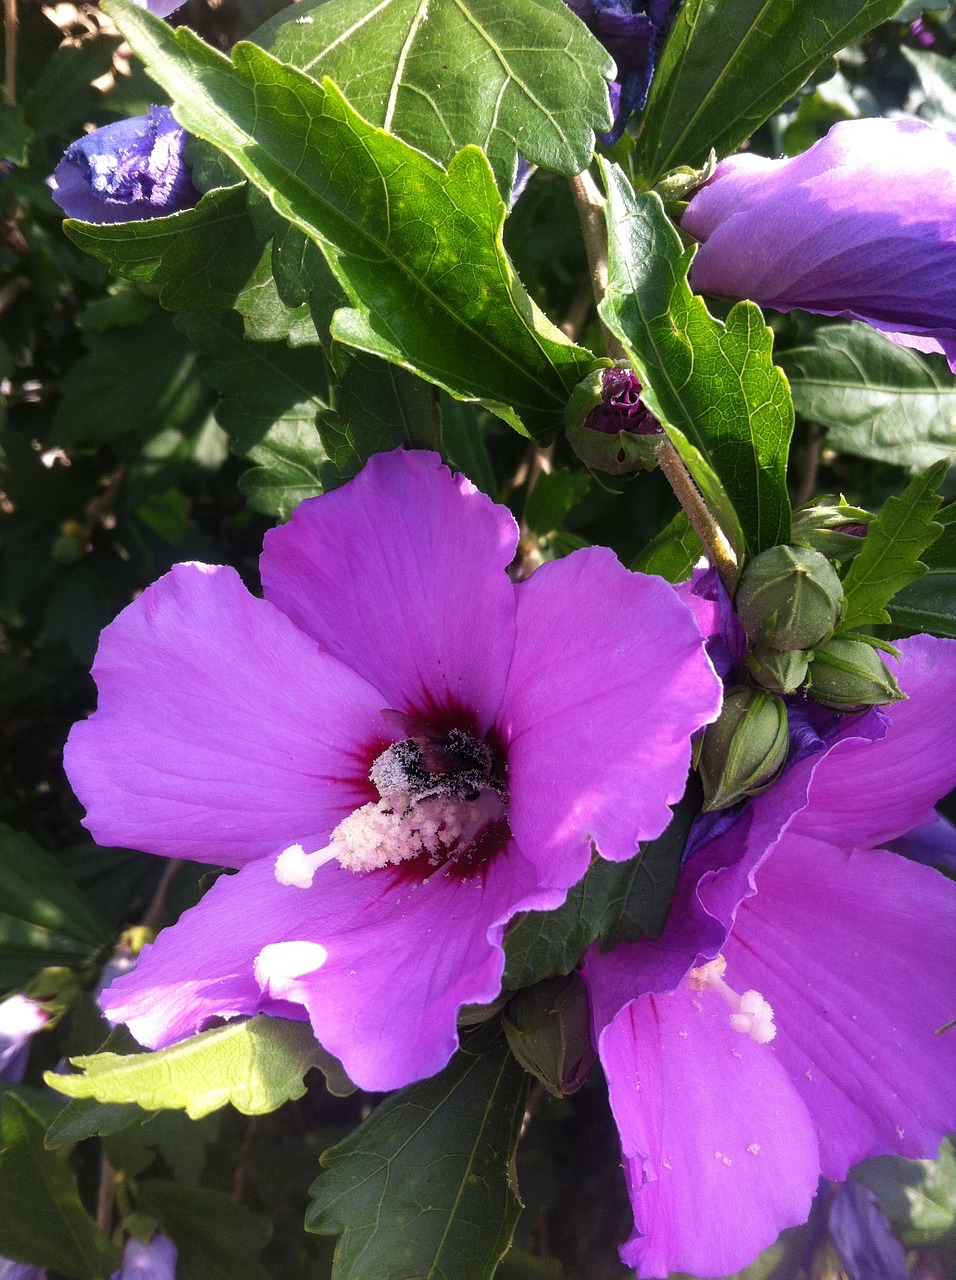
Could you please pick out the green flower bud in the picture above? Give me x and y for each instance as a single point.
(781, 671)
(789, 598)
(848, 674)
(608, 426)
(832, 527)
(549, 1030)
(744, 749)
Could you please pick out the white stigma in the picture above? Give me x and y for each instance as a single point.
(296, 868)
(751, 1015)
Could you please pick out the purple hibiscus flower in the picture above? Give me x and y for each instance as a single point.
(862, 225)
(633, 32)
(154, 1260)
(20, 1019)
(127, 171)
(784, 1025)
(398, 749)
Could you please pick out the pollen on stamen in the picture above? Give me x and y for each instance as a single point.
(391, 831)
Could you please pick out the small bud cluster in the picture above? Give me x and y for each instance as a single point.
(790, 603)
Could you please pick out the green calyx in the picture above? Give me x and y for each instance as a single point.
(848, 674)
(744, 750)
(789, 598)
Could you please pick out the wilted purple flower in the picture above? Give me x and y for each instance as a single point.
(622, 408)
(398, 749)
(126, 171)
(633, 32)
(154, 1260)
(20, 1019)
(862, 225)
(784, 1025)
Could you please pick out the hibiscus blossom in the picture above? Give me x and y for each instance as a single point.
(785, 1025)
(398, 749)
(861, 225)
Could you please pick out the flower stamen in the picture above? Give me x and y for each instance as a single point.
(750, 1013)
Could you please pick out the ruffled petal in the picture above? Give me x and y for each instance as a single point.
(608, 682)
(380, 961)
(856, 953)
(720, 1151)
(400, 573)
(222, 732)
(906, 772)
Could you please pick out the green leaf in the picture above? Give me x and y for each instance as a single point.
(615, 902)
(544, 943)
(929, 604)
(256, 1065)
(377, 407)
(15, 134)
(729, 64)
(216, 1239)
(417, 248)
(918, 1196)
(266, 316)
(426, 1186)
(43, 1220)
(199, 259)
(45, 921)
(637, 894)
(137, 379)
(445, 73)
(890, 556)
(271, 394)
(877, 400)
(937, 78)
(673, 553)
(554, 495)
(86, 1118)
(712, 385)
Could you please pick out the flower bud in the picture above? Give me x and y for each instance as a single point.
(847, 674)
(789, 598)
(744, 749)
(832, 527)
(549, 1030)
(781, 671)
(608, 426)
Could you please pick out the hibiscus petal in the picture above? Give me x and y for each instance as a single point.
(381, 961)
(859, 225)
(720, 1151)
(401, 574)
(222, 731)
(856, 953)
(609, 680)
(906, 772)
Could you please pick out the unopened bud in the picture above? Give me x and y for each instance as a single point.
(789, 598)
(847, 674)
(780, 671)
(549, 1030)
(832, 527)
(744, 749)
(608, 426)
